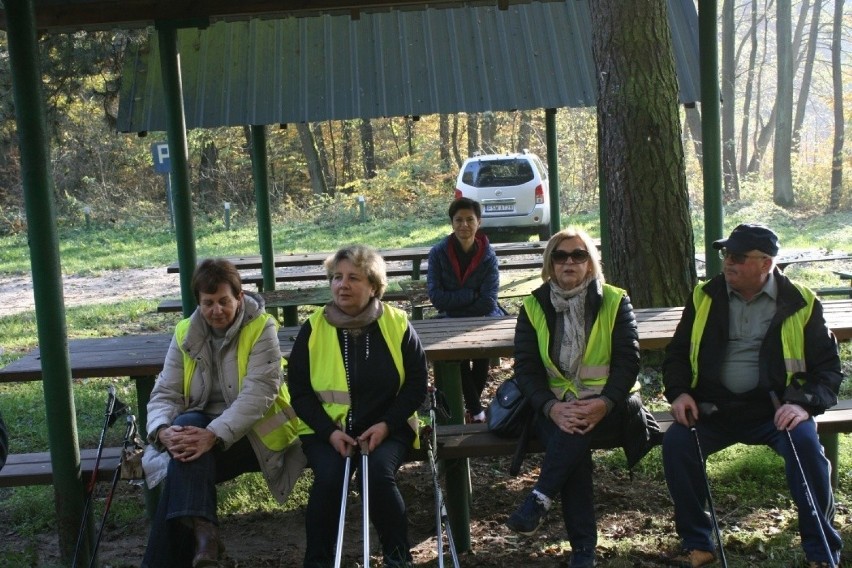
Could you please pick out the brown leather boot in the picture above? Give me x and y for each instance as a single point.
(207, 543)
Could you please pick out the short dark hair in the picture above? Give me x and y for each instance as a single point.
(212, 273)
(465, 203)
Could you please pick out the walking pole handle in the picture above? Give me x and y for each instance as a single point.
(775, 402)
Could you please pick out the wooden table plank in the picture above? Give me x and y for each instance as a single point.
(444, 339)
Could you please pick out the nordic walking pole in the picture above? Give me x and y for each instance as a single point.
(811, 501)
(440, 509)
(129, 435)
(716, 530)
(90, 487)
(365, 498)
(338, 553)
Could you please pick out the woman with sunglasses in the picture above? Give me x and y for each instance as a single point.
(576, 361)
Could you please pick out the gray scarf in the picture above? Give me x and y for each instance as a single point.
(572, 305)
(355, 324)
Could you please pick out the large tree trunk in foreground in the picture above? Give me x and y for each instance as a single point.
(641, 153)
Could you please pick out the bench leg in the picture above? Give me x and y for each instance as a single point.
(291, 315)
(830, 444)
(144, 386)
(448, 380)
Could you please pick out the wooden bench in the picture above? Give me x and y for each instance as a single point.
(36, 469)
(458, 441)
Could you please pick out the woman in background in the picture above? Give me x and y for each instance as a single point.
(463, 281)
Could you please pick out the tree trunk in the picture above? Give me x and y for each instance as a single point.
(444, 147)
(455, 139)
(747, 93)
(488, 128)
(368, 154)
(729, 107)
(524, 131)
(807, 74)
(782, 187)
(839, 127)
(696, 133)
(409, 134)
(472, 134)
(319, 140)
(641, 153)
(346, 127)
(207, 176)
(306, 137)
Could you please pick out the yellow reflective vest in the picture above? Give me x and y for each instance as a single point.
(594, 369)
(792, 331)
(277, 429)
(328, 373)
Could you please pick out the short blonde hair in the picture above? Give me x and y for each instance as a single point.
(596, 272)
(365, 259)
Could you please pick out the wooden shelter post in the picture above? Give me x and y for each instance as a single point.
(176, 133)
(47, 279)
(711, 133)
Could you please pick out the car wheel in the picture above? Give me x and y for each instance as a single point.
(544, 233)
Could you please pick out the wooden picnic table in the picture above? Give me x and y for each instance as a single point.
(413, 254)
(445, 341)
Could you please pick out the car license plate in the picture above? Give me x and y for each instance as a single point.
(500, 208)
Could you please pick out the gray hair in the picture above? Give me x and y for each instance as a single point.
(365, 259)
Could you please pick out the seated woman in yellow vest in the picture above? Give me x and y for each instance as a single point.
(576, 361)
(357, 374)
(218, 409)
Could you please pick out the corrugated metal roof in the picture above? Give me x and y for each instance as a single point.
(398, 63)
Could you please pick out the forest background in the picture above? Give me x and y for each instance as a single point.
(394, 162)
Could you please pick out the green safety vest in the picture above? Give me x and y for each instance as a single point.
(594, 369)
(277, 429)
(792, 331)
(328, 373)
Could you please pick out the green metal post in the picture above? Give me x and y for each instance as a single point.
(711, 139)
(606, 240)
(176, 130)
(259, 169)
(552, 169)
(448, 380)
(33, 141)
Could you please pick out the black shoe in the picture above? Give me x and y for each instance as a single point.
(582, 558)
(529, 516)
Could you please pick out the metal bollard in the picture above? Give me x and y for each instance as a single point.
(87, 213)
(362, 208)
(227, 215)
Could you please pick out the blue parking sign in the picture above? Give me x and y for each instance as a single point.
(160, 151)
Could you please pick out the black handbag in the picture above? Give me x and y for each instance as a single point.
(509, 411)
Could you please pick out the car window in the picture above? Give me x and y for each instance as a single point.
(499, 173)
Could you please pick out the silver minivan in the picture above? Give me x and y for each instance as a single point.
(512, 189)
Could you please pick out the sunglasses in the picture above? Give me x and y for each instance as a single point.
(577, 256)
(738, 258)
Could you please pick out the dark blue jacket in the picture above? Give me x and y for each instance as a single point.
(464, 295)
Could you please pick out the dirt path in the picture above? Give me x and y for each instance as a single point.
(16, 292)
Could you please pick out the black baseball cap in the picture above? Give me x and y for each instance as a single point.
(748, 237)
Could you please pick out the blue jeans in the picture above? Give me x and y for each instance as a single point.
(189, 490)
(387, 509)
(688, 490)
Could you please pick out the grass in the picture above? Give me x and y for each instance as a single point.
(752, 480)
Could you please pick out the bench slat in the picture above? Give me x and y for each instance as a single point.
(36, 469)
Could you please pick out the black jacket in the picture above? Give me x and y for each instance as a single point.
(374, 383)
(530, 372)
(821, 380)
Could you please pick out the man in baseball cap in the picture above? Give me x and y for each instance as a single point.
(748, 237)
(747, 338)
